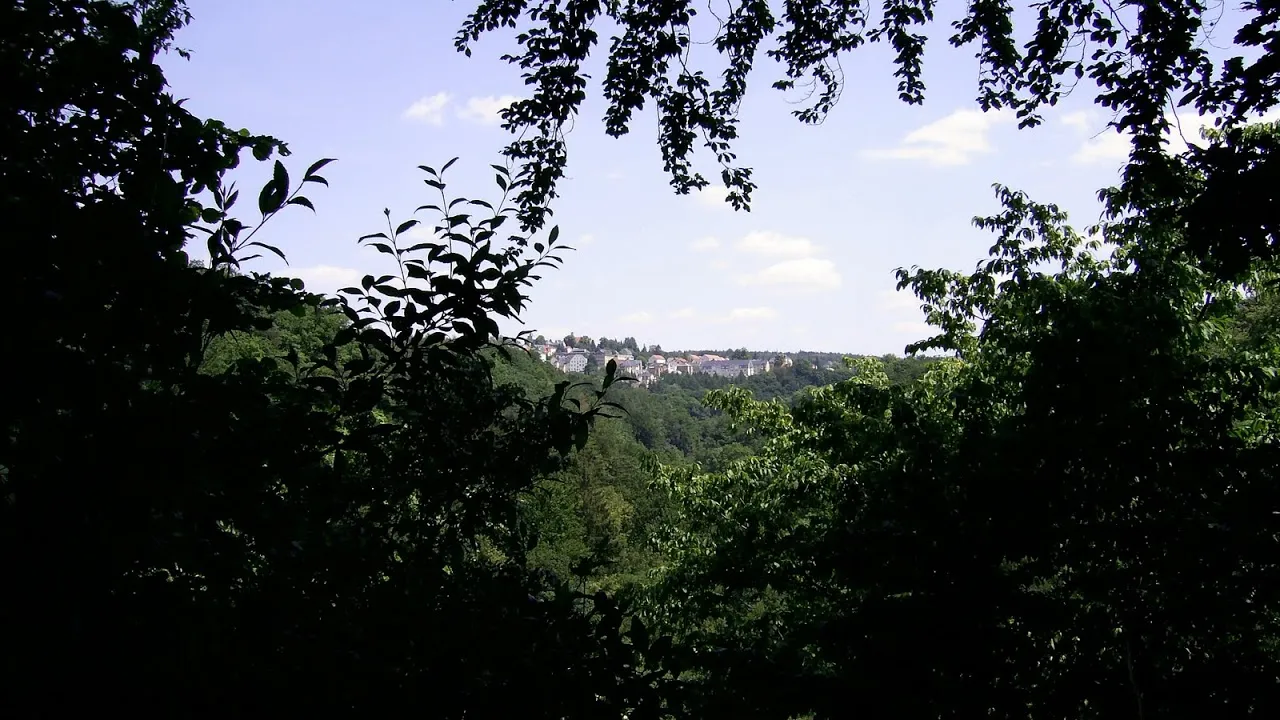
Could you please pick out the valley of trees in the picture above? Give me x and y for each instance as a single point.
(223, 495)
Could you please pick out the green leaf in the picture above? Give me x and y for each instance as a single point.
(315, 166)
(268, 199)
(280, 176)
(271, 248)
(299, 200)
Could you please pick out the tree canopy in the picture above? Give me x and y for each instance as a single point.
(1074, 517)
(1145, 58)
(225, 495)
(221, 494)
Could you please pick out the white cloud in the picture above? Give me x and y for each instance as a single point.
(898, 300)
(918, 329)
(776, 244)
(1185, 127)
(902, 307)
(429, 109)
(1107, 146)
(422, 232)
(703, 244)
(952, 140)
(486, 110)
(720, 264)
(713, 196)
(586, 239)
(1114, 147)
(327, 279)
(640, 316)
(736, 315)
(748, 314)
(1081, 120)
(807, 273)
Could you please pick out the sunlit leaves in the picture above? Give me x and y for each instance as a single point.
(1048, 498)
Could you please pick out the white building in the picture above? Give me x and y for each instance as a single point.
(572, 362)
(734, 368)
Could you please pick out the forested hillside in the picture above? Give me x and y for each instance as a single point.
(596, 520)
(603, 514)
(225, 495)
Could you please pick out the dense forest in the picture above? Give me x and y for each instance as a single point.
(598, 518)
(225, 495)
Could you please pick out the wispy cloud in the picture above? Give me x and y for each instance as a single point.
(898, 300)
(486, 110)
(948, 141)
(703, 244)
(640, 317)
(586, 239)
(420, 233)
(1106, 146)
(1111, 146)
(736, 315)
(428, 109)
(803, 273)
(749, 314)
(762, 242)
(915, 329)
(1080, 120)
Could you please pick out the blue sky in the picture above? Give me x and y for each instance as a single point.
(839, 206)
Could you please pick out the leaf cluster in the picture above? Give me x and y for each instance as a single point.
(223, 494)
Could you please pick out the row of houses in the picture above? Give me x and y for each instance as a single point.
(645, 371)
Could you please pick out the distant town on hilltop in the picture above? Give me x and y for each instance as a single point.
(648, 363)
